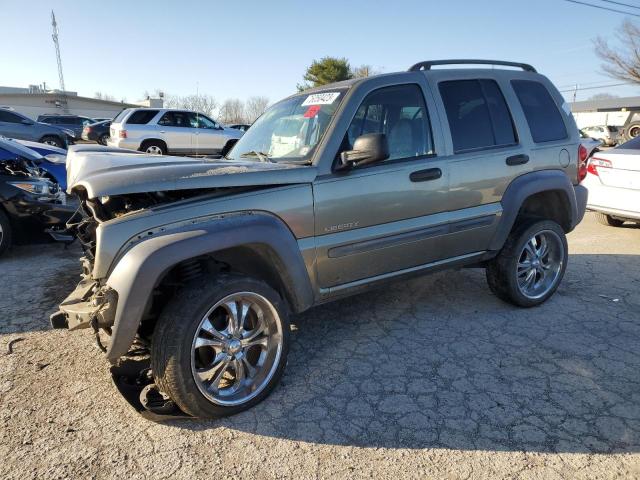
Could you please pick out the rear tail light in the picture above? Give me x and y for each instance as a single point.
(596, 163)
(87, 129)
(123, 134)
(582, 162)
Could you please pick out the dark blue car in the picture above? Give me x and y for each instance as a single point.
(53, 160)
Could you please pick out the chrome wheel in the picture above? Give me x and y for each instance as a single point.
(540, 264)
(1, 233)
(154, 150)
(236, 348)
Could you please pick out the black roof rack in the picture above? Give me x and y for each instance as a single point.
(430, 63)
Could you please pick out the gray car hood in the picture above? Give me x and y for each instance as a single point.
(111, 171)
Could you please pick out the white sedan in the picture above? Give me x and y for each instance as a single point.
(613, 181)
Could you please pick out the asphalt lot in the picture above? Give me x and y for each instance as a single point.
(432, 378)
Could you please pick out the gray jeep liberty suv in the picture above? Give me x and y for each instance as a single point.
(192, 266)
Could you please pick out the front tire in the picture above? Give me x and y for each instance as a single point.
(220, 345)
(608, 220)
(5, 233)
(531, 264)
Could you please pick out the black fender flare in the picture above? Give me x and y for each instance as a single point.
(530, 184)
(142, 267)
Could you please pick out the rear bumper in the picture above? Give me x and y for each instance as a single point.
(123, 143)
(582, 195)
(616, 201)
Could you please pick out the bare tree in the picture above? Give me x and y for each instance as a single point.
(602, 96)
(623, 61)
(254, 107)
(202, 103)
(104, 96)
(232, 111)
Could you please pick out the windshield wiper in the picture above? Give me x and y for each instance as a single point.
(263, 157)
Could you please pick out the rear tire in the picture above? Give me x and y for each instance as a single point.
(51, 140)
(204, 361)
(531, 264)
(103, 139)
(608, 220)
(153, 147)
(633, 130)
(5, 233)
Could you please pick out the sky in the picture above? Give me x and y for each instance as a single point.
(232, 49)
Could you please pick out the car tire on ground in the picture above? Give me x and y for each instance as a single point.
(103, 139)
(608, 220)
(5, 233)
(632, 130)
(52, 140)
(220, 346)
(154, 147)
(531, 264)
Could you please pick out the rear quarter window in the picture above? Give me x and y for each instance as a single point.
(141, 117)
(542, 114)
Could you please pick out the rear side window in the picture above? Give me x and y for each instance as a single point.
(118, 118)
(478, 114)
(141, 117)
(9, 117)
(544, 118)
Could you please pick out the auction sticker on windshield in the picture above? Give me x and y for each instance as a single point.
(321, 98)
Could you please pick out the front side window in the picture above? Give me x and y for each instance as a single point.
(478, 114)
(290, 130)
(197, 120)
(540, 110)
(141, 117)
(400, 113)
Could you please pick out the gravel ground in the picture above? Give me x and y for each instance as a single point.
(428, 378)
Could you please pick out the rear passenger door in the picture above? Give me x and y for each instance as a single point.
(487, 156)
(177, 132)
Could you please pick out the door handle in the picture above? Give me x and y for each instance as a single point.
(425, 175)
(162, 131)
(517, 159)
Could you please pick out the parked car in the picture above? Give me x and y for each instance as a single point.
(97, 132)
(607, 134)
(243, 127)
(591, 144)
(53, 160)
(16, 125)
(31, 205)
(161, 131)
(331, 192)
(75, 123)
(613, 182)
(103, 119)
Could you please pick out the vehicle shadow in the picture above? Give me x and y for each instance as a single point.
(440, 362)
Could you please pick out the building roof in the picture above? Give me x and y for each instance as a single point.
(55, 96)
(606, 105)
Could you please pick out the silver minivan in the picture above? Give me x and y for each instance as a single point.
(164, 130)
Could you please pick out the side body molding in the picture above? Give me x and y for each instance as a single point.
(139, 271)
(536, 182)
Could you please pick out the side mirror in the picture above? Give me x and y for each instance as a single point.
(368, 148)
(26, 122)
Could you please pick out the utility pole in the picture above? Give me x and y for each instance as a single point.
(575, 92)
(63, 91)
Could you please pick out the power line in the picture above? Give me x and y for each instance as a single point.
(622, 4)
(603, 8)
(595, 88)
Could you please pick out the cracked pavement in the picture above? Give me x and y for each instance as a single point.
(433, 377)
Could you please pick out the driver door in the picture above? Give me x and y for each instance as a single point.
(388, 216)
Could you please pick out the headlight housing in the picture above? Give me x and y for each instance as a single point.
(56, 158)
(69, 133)
(41, 189)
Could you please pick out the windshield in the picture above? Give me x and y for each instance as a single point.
(289, 130)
